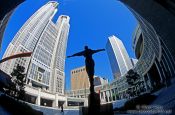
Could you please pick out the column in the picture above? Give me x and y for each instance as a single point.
(100, 94)
(150, 81)
(108, 94)
(111, 94)
(164, 60)
(169, 59)
(158, 68)
(167, 73)
(164, 70)
(116, 93)
(145, 83)
(65, 103)
(56, 100)
(39, 97)
(105, 96)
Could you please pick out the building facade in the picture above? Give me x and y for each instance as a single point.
(153, 41)
(99, 81)
(6, 10)
(133, 61)
(118, 57)
(109, 92)
(155, 63)
(47, 40)
(79, 79)
(157, 15)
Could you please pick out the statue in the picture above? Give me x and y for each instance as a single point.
(89, 62)
(93, 98)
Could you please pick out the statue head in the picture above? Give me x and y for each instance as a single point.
(85, 47)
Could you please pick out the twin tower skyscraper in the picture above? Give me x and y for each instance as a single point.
(48, 41)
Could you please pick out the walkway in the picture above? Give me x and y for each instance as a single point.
(54, 111)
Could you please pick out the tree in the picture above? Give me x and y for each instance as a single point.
(18, 76)
(133, 79)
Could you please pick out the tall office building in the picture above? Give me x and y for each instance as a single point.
(118, 57)
(79, 78)
(47, 40)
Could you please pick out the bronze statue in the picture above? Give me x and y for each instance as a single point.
(87, 53)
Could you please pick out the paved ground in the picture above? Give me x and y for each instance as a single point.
(3, 112)
(47, 112)
(164, 104)
(166, 100)
(53, 111)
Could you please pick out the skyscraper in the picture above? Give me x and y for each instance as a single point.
(118, 57)
(47, 41)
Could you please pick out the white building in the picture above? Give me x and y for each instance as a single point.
(48, 41)
(100, 81)
(118, 57)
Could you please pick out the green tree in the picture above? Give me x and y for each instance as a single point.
(18, 76)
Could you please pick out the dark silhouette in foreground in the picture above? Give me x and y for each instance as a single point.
(18, 86)
(89, 62)
(93, 99)
(14, 107)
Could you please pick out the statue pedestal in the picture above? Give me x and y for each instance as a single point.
(94, 104)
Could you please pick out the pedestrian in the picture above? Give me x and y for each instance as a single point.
(62, 109)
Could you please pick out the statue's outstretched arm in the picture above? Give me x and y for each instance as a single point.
(77, 54)
(95, 51)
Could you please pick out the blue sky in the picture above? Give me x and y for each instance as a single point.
(91, 23)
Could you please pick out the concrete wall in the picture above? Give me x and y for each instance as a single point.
(161, 18)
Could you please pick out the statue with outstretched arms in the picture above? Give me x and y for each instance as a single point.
(89, 62)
